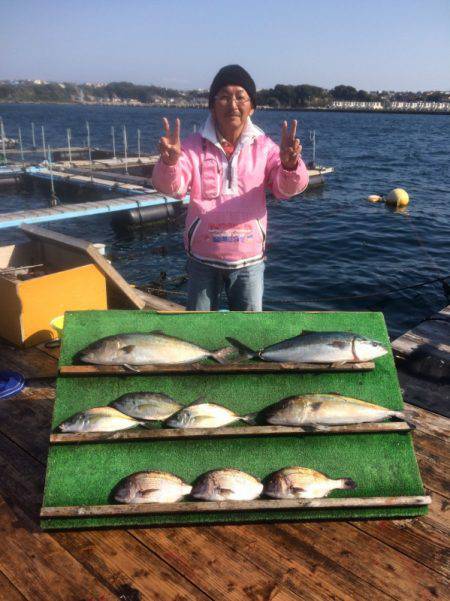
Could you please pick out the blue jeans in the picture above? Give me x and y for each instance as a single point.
(244, 287)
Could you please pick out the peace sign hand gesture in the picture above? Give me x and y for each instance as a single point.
(290, 147)
(169, 144)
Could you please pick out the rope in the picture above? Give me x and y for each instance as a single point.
(434, 265)
(326, 298)
(372, 295)
(441, 277)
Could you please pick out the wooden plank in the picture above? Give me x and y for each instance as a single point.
(436, 450)
(31, 363)
(126, 565)
(432, 457)
(371, 560)
(84, 511)
(25, 560)
(116, 558)
(263, 367)
(22, 481)
(421, 392)
(221, 575)
(428, 422)
(424, 539)
(298, 564)
(26, 419)
(434, 331)
(157, 303)
(182, 433)
(8, 592)
(437, 517)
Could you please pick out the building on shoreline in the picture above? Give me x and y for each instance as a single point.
(394, 106)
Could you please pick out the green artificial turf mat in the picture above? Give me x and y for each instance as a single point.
(381, 464)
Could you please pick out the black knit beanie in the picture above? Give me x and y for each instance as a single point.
(233, 75)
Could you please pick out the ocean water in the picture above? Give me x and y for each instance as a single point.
(328, 249)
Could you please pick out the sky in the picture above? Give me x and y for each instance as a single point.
(369, 44)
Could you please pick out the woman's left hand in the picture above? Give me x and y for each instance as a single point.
(290, 147)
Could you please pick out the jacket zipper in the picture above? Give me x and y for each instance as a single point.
(263, 234)
(229, 173)
(191, 231)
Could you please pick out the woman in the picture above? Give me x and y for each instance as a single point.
(227, 167)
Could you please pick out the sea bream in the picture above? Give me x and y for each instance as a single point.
(154, 348)
(226, 485)
(317, 347)
(201, 414)
(151, 487)
(302, 483)
(99, 419)
(148, 406)
(323, 409)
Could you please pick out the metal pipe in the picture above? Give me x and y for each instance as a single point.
(125, 148)
(21, 146)
(69, 138)
(33, 136)
(53, 198)
(88, 129)
(2, 134)
(113, 140)
(312, 137)
(43, 141)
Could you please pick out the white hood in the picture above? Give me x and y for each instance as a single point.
(249, 133)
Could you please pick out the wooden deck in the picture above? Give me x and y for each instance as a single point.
(423, 362)
(405, 559)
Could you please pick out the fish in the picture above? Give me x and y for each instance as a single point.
(148, 406)
(335, 348)
(99, 419)
(202, 414)
(330, 409)
(227, 484)
(151, 487)
(153, 348)
(302, 483)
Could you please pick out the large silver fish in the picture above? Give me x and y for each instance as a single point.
(154, 348)
(201, 414)
(317, 347)
(323, 409)
(151, 487)
(99, 419)
(149, 406)
(226, 485)
(302, 483)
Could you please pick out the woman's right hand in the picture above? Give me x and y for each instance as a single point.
(169, 144)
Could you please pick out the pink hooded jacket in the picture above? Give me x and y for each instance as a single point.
(226, 221)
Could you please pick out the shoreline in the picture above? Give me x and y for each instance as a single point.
(260, 108)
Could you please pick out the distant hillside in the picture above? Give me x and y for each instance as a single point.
(281, 96)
